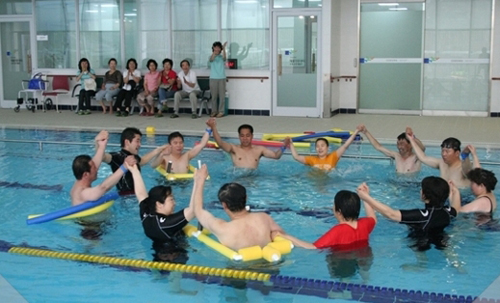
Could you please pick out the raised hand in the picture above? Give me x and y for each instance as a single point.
(102, 138)
(130, 161)
(287, 141)
(167, 150)
(471, 148)
(363, 191)
(409, 132)
(211, 123)
(201, 174)
(453, 189)
(362, 128)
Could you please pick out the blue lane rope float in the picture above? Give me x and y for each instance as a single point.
(259, 281)
(74, 210)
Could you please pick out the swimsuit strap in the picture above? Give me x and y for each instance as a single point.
(491, 204)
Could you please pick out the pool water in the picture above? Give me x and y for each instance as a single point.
(35, 180)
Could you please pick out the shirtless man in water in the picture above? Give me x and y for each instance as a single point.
(174, 152)
(406, 161)
(451, 167)
(85, 171)
(245, 229)
(244, 155)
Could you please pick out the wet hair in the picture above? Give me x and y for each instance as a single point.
(112, 59)
(217, 43)
(174, 135)
(322, 139)
(81, 165)
(80, 64)
(131, 60)
(187, 61)
(452, 143)
(403, 137)
(436, 190)
(129, 134)
(157, 194)
(348, 204)
(167, 60)
(234, 195)
(247, 126)
(152, 61)
(483, 177)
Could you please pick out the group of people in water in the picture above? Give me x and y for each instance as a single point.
(458, 169)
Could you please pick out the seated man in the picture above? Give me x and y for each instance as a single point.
(426, 225)
(483, 183)
(450, 166)
(245, 229)
(244, 155)
(187, 79)
(159, 221)
(85, 171)
(174, 152)
(406, 161)
(323, 160)
(352, 232)
(130, 142)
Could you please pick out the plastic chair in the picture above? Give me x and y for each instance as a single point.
(98, 80)
(60, 85)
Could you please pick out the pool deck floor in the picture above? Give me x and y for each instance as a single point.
(482, 132)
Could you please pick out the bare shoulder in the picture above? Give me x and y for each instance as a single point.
(261, 216)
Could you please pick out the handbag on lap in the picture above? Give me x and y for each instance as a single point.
(90, 84)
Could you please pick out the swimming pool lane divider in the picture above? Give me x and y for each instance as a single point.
(195, 269)
(260, 281)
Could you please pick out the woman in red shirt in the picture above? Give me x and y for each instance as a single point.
(168, 83)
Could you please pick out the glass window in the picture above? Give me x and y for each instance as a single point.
(153, 31)
(99, 31)
(194, 31)
(56, 33)
(295, 3)
(15, 7)
(130, 26)
(245, 25)
(457, 48)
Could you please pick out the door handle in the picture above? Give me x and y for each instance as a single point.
(28, 63)
(280, 66)
(313, 63)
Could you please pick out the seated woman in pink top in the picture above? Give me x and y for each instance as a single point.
(352, 232)
(151, 85)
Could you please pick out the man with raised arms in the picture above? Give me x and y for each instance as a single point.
(130, 141)
(174, 152)
(452, 166)
(406, 161)
(85, 171)
(245, 229)
(244, 155)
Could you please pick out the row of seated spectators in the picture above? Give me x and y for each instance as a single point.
(121, 88)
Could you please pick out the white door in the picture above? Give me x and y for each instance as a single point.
(16, 59)
(296, 64)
